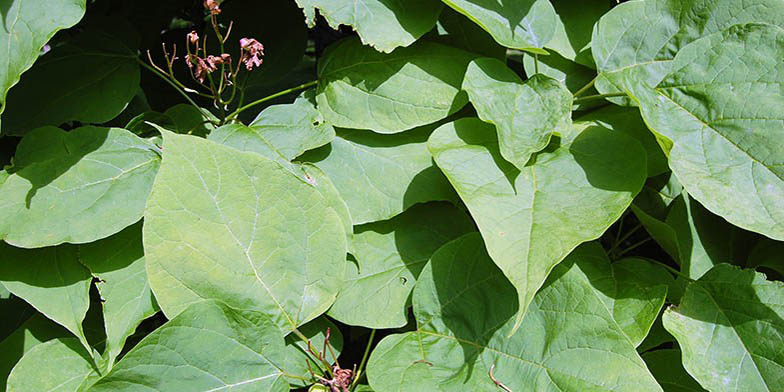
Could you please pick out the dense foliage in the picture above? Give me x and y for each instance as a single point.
(376, 195)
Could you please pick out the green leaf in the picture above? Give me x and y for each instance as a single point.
(389, 93)
(51, 280)
(640, 288)
(531, 219)
(296, 361)
(629, 121)
(280, 131)
(525, 115)
(314, 176)
(634, 43)
(574, 76)
(390, 255)
(189, 120)
(382, 24)
(574, 24)
(58, 90)
(725, 152)
(730, 328)
(666, 366)
(118, 263)
(27, 26)
(237, 227)
(522, 24)
(767, 253)
(380, 176)
(207, 347)
(464, 305)
(76, 186)
(59, 365)
(657, 336)
(36, 330)
(456, 30)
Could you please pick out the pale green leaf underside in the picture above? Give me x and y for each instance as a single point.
(27, 26)
(51, 280)
(531, 219)
(521, 24)
(525, 114)
(76, 186)
(237, 227)
(721, 108)
(390, 255)
(59, 365)
(380, 176)
(464, 308)
(207, 347)
(729, 326)
(118, 263)
(382, 24)
(388, 93)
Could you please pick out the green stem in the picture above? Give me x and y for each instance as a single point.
(633, 246)
(270, 97)
(155, 71)
(598, 96)
(536, 63)
(624, 238)
(364, 359)
(585, 88)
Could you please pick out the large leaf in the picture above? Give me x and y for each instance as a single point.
(89, 79)
(27, 26)
(525, 115)
(634, 43)
(237, 227)
(382, 24)
(388, 93)
(59, 365)
(390, 256)
(76, 186)
(380, 176)
(118, 263)
(279, 131)
(730, 328)
(521, 24)
(464, 307)
(531, 219)
(207, 347)
(36, 330)
(51, 280)
(726, 152)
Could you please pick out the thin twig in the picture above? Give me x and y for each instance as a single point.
(598, 96)
(270, 97)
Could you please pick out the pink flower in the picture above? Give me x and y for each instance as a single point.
(193, 37)
(212, 6)
(252, 53)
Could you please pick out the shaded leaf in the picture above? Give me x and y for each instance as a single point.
(76, 186)
(525, 114)
(456, 30)
(59, 365)
(464, 305)
(207, 347)
(189, 120)
(390, 255)
(573, 75)
(36, 330)
(248, 233)
(574, 24)
(388, 93)
(523, 215)
(730, 328)
(666, 366)
(382, 24)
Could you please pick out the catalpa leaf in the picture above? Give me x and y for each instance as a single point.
(51, 280)
(729, 326)
(207, 347)
(285, 130)
(574, 24)
(572, 75)
(666, 366)
(456, 30)
(390, 254)
(59, 365)
(382, 24)
(389, 93)
(28, 25)
(36, 330)
(237, 227)
(380, 176)
(522, 24)
(118, 263)
(76, 186)
(58, 90)
(525, 114)
(726, 152)
(189, 120)
(635, 42)
(464, 307)
(531, 219)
